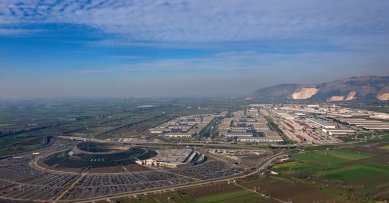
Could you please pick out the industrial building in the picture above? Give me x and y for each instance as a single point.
(270, 137)
(383, 116)
(238, 134)
(374, 125)
(184, 126)
(336, 132)
(176, 135)
(322, 123)
(259, 140)
(248, 126)
(300, 115)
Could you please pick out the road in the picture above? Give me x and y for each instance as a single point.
(191, 144)
(71, 186)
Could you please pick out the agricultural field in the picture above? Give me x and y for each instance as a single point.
(386, 147)
(285, 190)
(360, 170)
(216, 192)
(250, 190)
(14, 144)
(22, 122)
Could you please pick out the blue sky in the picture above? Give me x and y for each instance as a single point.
(121, 48)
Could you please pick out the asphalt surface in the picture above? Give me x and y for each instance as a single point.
(260, 169)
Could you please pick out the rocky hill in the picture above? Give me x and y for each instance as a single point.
(354, 89)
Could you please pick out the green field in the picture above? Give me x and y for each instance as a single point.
(18, 144)
(330, 157)
(353, 173)
(360, 170)
(313, 161)
(386, 147)
(87, 131)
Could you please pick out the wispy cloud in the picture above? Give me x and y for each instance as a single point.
(12, 31)
(214, 47)
(300, 67)
(196, 21)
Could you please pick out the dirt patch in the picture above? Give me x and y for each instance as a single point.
(383, 96)
(384, 159)
(288, 191)
(304, 93)
(381, 193)
(370, 149)
(372, 180)
(351, 95)
(336, 98)
(210, 189)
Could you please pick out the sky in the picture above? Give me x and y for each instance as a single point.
(185, 48)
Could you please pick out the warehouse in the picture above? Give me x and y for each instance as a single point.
(260, 139)
(238, 134)
(368, 124)
(322, 123)
(339, 131)
(300, 115)
(178, 135)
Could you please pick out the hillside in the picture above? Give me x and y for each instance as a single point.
(354, 89)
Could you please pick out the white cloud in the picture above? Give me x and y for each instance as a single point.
(207, 21)
(357, 32)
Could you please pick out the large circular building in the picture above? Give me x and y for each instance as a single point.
(92, 155)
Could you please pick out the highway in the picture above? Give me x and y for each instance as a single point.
(191, 144)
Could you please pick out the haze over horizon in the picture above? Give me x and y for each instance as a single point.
(116, 48)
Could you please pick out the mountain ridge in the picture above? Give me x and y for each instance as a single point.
(353, 89)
